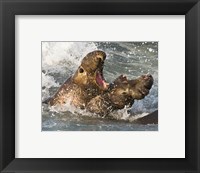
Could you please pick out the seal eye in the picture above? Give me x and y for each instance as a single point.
(81, 70)
(124, 93)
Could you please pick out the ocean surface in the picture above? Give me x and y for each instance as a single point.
(61, 59)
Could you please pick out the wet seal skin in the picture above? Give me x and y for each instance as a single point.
(121, 93)
(85, 84)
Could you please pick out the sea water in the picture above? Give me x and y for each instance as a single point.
(133, 59)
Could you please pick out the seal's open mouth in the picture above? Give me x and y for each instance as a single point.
(101, 81)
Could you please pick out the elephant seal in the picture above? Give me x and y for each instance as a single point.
(122, 93)
(151, 118)
(85, 84)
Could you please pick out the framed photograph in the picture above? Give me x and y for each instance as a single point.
(99, 86)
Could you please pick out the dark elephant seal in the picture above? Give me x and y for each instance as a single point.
(85, 84)
(122, 93)
(151, 118)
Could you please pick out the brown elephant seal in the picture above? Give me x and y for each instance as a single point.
(121, 94)
(85, 84)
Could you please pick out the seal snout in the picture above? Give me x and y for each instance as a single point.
(148, 79)
(100, 58)
(100, 54)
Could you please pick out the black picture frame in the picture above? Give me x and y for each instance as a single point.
(10, 8)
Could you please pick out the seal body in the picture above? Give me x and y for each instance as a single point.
(85, 84)
(122, 93)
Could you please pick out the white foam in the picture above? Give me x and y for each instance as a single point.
(59, 55)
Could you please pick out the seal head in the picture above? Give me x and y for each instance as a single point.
(125, 90)
(87, 82)
(90, 72)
